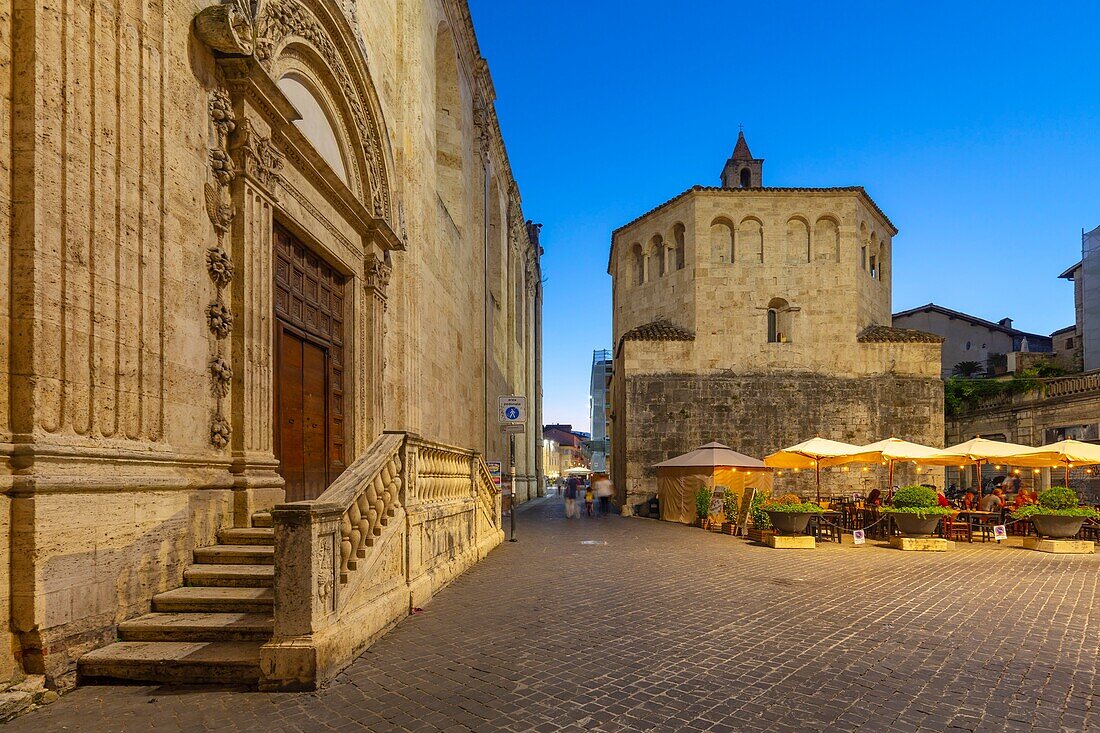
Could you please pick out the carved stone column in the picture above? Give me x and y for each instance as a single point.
(254, 195)
(372, 356)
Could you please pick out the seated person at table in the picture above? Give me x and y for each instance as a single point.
(969, 501)
(993, 502)
(1025, 497)
(941, 498)
(874, 498)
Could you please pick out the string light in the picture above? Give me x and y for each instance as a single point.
(1035, 470)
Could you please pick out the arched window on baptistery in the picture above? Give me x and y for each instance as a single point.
(657, 252)
(779, 321)
(750, 240)
(722, 244)
(679, 234)
(637, 258)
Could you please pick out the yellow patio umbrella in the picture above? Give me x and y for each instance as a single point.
(891, 450)
(1066, 453)
(816, 453)
(975, 452)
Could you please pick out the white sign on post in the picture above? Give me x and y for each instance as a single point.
(512, 413)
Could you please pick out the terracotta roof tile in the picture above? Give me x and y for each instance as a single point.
(889, 334)
(659, 330)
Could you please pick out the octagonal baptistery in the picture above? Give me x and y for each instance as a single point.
(760, 317)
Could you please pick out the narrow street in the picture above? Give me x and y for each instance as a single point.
(631, 624)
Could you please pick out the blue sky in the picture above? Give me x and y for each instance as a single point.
(975, 126)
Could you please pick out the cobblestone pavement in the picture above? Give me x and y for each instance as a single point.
(662, 627)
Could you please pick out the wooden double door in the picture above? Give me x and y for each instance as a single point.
(309, 370)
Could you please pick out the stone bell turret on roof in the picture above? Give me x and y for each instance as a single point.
(742, 170)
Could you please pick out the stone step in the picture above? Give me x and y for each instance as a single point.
(198, 627)
(262, 519)
(231, 575)
(235, 555)
(247, 536)
(216, 662)
(191, 599)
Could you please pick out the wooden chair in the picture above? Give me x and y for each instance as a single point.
(955, 530)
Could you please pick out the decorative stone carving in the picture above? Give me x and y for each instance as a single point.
(219, 265)
(219, 319)
(259, 158)
(219, 431)
(378, 275)
(221, 112)
(221, 165)
(281, 18)
(226, 28)
(326, 573)
(221, 215)
(221, 375)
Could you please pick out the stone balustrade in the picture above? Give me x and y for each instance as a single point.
(403, 519)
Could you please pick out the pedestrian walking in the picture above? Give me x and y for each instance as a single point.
(570, 497)
(588, 497)
(603, 494)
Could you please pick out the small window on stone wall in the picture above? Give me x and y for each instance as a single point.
(779, 321)
(638, 262)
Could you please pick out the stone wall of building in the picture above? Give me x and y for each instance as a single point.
(663, 410)
(153, 157)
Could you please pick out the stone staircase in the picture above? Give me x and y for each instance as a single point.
(210, 630)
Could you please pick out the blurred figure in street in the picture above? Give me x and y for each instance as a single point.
(603, 494)
(571, 497)
(588, 496)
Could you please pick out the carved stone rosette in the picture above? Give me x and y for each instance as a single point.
(219, 265)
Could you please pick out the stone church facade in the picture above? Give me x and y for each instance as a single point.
(256, 252)
(760, 317)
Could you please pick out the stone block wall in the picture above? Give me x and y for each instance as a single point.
(666, 414)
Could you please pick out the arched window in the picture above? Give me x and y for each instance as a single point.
(750, 239)
(448, 127)
(882, 260)
(746, 178)
(873, 256)
(722, 241)
(679, 234)
(779, 321)
(863, 239)
(314, 123)
(826, 240)
(798, 241)
(639, 264)
(657, 251)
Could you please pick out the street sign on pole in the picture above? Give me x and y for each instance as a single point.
(512, 413)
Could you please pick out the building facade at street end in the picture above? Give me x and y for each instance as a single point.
(599, 406)
(760, 317)
(967, 338)
(256, 253)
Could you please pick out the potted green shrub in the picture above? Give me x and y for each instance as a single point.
(789, 514)
(702, 506)
(761, 525)
(1057, 514)
(916, 511)
(729, 509)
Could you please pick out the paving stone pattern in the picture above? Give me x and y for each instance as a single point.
(667, 627)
